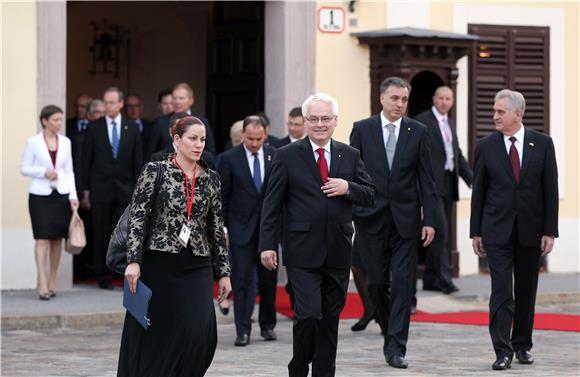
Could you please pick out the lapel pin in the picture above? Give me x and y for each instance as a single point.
(531, 144)
(126, 128)
(339, 156)
(409, 129)
(269, 157)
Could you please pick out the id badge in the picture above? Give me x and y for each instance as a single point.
(184, 234)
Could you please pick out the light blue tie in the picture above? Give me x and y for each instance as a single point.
(115, 141)
(391, 144)
(257, 173)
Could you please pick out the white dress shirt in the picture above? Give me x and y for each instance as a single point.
(519, 142)
(250, 158)
(447, 136)
(385, 122)
(326, 152)
(36, 161)
(110, 127)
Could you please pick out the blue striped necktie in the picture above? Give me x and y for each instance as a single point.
(257, 173)
(115, 141)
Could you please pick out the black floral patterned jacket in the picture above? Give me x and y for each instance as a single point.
(169, 213)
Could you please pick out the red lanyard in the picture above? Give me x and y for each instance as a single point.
(188, 195)
(55, 151)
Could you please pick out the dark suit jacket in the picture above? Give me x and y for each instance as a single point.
(497, 200)
(76, 139)
(108, 179)
(165, 153)
(316, 229)
(160, 138)
(241, 201)
(272, 140)
(438, 156)
(282, 142)
(404, 189)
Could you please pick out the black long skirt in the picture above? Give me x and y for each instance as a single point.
(182, 338)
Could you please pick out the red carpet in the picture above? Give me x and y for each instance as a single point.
(353, 309)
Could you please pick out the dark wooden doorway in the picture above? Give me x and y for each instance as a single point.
(423, 86)
(235, 80)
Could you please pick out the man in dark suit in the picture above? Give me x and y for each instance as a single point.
(244, 172)
(315, 182)
(183, 100)
(448, 165)
(395, 150)
(296, 129)
(514, 220)
(134, 110)
(79, 122)
(111, 162)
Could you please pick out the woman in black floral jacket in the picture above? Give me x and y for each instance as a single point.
(175, 259)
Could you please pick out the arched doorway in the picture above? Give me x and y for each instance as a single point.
(423, 86)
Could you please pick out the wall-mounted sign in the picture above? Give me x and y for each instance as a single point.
(331, 20)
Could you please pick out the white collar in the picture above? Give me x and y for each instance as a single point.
(385, 121)
(250, 154)
(315, 147)
(518, 135)
(440, 117)
(117, 119)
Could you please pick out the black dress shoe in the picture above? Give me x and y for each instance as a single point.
(224, 310)
(362, 323)
(242, 340)
(435, 287)
(449, 289)
(524, 357)
(44, 296)
(268, 335)
(502, 363)
(106, 285)
(398, 362)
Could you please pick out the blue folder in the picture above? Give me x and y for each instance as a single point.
(138, 304)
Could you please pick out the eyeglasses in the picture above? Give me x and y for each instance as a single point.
(323, 120)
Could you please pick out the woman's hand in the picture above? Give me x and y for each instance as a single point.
(51, 174)
(132, 273)
(225, 288)
(74, 204)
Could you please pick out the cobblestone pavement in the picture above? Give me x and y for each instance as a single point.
(433, 350)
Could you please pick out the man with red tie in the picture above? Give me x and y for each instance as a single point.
(514, 220)
(315, 181)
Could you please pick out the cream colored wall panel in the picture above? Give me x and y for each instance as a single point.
(413, 14)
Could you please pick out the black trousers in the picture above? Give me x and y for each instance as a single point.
(390, 261)
(437, 267)
(245, 262)
(104, 216)
(512, 300)
(320, 295)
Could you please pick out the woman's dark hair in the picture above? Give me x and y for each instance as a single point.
(48, 111)
(181, 125)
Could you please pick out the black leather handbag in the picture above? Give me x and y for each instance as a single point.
(117, 251)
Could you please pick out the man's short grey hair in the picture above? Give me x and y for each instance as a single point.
(94, 103)
(320, 97)
(396, 82)
(516, 100)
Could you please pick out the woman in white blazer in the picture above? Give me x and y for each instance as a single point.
(52, 194)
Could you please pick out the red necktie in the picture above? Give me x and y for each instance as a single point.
(515, 159)
(322, 165)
